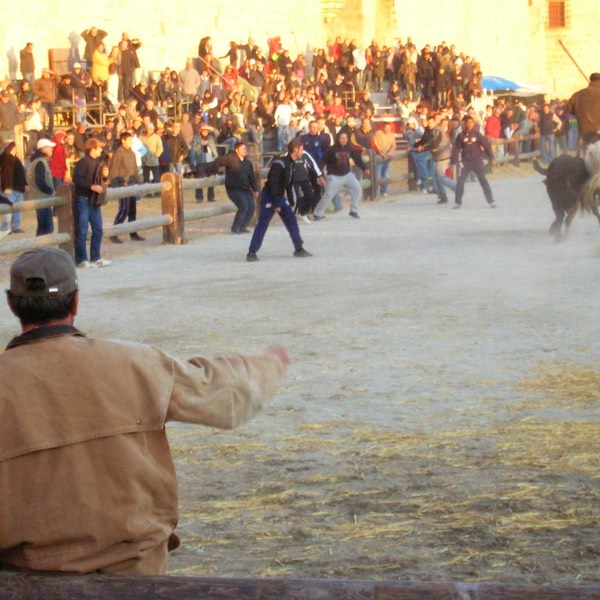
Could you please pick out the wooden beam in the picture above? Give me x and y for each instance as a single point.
(19, 584)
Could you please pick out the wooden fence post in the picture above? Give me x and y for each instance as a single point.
(172, 204)
(256, 160)
(66, 222)
(20, 141)
(373, 169)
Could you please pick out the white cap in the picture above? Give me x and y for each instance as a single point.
(44, 143)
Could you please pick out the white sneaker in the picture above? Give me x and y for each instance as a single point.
(305, 219)
(103, 262)
(86, 264)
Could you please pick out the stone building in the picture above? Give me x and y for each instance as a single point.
(516, 39)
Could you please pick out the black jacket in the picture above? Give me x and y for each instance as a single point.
(337, 159)
(87, 173)
(239, 174)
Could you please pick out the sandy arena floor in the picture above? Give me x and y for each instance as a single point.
(440, 417)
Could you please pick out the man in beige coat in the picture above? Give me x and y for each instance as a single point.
(87, 482)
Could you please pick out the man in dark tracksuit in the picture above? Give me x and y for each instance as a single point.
(273, 200)
(240, 184)
(315, 145)
(301, 193)
(471, 145)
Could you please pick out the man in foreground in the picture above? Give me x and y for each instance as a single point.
(87, 482)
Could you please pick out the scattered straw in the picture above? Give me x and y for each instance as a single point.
(506, 501)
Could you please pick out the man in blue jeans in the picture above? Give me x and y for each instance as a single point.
(273, 200)
(240, 184)
(89, 197)
(41, 184)
(384, 144)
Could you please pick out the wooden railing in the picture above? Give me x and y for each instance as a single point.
(30, 586)
(171, 218)
(172, 186)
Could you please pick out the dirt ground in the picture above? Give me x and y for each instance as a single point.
(440, 417)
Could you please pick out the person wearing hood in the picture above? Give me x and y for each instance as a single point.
(41, 184)
(58, 162)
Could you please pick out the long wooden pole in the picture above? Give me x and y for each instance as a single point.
(574, 61)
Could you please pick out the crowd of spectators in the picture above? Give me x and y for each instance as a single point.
(184, 118)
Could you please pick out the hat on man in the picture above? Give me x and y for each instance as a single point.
(94, 143)
(76, 66)
(53, 266)
(5, 94)
(45, 143)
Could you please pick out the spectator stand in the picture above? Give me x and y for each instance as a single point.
(60, 61)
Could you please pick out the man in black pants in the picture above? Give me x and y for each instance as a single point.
(273, 200)
(301, 192)
(240, 184)
(471, 145)
(123, 171)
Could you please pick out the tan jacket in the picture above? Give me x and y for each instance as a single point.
(154, 146)
(384, 143)
(45, 88)
(87, 482)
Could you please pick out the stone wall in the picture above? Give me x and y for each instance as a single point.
(168, 35)
(492, 32)
(580, 36)
(509, 38)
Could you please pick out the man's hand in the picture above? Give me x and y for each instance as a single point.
(281, 353)
(97, 188)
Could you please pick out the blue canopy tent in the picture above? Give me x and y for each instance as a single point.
(496, 84)
(500, 86)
